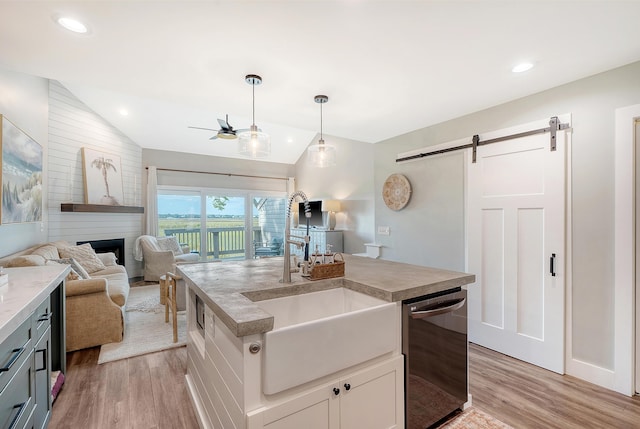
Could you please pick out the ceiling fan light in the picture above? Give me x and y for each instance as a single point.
(254, 143)
(227, 134)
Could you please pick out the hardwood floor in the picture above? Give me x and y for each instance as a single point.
(144, 392)
(148, 392)
(526, 396)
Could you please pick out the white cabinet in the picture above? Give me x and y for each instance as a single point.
(371, 398)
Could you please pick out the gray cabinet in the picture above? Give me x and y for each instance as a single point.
(27, 357)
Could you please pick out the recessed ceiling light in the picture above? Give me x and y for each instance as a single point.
(72, 24)
(124, 112)
(522, 67)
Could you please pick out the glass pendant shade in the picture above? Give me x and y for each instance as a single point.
(322, 155)
(254, 143)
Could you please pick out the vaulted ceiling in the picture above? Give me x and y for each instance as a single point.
(388, 67)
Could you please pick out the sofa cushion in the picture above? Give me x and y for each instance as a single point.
(170, 243)
(26, 261)
(47, 252)
(117, 283)
(85, 255)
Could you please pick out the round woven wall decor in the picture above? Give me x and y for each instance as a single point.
(396, 191)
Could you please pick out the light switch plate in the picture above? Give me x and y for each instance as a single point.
(383, 230)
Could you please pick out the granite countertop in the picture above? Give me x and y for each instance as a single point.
(231, 288)
(27, 288)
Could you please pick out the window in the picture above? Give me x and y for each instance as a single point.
(237, 224)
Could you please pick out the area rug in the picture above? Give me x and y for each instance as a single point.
(473, 418)
(145, 329)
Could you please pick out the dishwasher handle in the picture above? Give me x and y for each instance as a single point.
(444, 307)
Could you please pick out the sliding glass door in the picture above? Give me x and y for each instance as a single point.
(179, 214)
(226, 226)
(223, 224)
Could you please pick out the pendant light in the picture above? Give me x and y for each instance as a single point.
(322, 155)
(254, 143)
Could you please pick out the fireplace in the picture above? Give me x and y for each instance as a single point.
(115, 245)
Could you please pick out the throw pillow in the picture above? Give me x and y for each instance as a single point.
(75, 266)
(170, 243)
(73, 274)
(47, 252)
(85, 255)
(26, 261)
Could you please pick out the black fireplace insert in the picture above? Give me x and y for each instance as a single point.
(114, 245)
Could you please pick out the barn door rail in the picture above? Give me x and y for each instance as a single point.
(553, 128)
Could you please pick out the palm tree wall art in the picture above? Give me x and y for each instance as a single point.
(102, 178)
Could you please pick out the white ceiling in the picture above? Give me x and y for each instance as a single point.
(388, 67)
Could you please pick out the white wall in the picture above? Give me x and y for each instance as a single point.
(592, 103)
(72, 126)
(350, 182)
(24, 101)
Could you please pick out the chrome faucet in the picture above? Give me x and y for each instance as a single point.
(286, 272)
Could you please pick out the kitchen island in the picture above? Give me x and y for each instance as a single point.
(352, 376)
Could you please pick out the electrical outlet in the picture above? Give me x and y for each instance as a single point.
(383, 230)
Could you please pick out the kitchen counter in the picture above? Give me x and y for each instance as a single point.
(231, 288)
(27, 288)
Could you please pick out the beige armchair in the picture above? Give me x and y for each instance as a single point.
(158, 260)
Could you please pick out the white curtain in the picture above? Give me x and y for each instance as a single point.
(152, 202)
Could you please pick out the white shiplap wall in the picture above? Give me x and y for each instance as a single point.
(72, 126)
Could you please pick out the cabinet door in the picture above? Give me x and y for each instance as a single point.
(42, 370)
(374, 398)
(317, 409)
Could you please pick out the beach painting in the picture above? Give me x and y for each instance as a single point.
(102, 178)
(21, 180)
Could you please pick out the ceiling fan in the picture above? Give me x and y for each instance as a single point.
(226, 131)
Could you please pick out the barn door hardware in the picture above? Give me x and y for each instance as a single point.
(553, 128)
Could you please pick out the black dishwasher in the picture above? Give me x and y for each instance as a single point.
(434, 342)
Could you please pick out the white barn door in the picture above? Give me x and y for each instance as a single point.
(516, 237)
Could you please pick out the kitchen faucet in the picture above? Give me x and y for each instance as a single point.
(286, 272)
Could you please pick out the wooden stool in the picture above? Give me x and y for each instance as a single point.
(170, 301)
(163, 288)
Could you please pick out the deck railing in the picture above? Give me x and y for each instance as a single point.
(221, 242)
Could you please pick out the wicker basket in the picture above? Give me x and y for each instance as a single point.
(328, 271)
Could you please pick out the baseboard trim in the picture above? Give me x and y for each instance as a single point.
(197, 406)
(592, 373)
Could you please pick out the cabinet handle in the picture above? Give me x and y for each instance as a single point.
(552, 261)
(45, 317)
(44, 359)
(347, 386)
(14, 358)
(16, 418)
(336, 391)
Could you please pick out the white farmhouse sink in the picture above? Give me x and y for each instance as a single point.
(319, 333)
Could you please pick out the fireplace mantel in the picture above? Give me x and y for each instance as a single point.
(99, 208)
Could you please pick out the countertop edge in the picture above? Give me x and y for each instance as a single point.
(27, 308)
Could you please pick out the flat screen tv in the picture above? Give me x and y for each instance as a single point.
(316, 215)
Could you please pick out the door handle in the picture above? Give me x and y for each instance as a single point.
(552, 261)
(450, 305)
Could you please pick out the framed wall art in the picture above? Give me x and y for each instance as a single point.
(21, 180)
(102, 175)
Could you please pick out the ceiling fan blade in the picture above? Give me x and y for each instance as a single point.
(224, 124)
(215, 136)
(199, 128)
